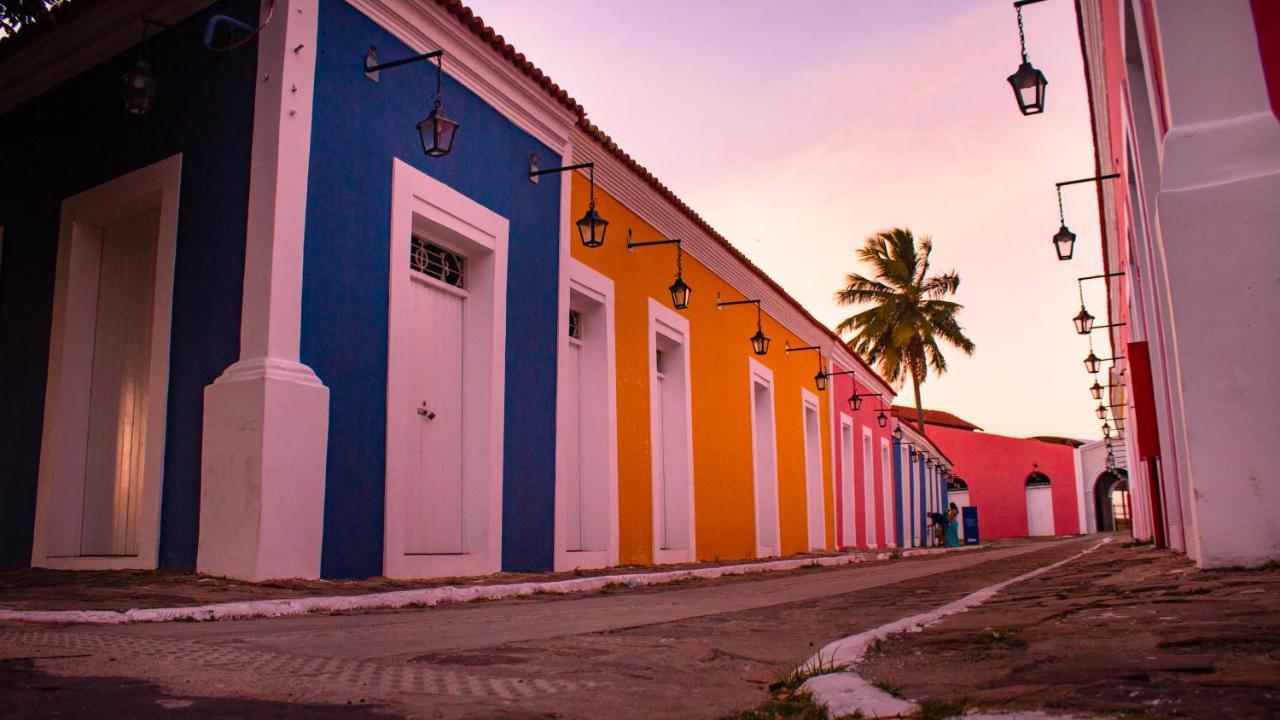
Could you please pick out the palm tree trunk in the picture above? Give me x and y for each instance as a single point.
(915, 383)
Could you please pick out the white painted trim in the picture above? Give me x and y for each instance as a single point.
(425, 26)
(848, 499)
(760, 374)
(62, 449)
(417, 200)
(673, 325)
(868, 469)
(582, 279)
(886, 487)
(809, 401)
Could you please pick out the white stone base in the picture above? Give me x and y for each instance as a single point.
(266, 428)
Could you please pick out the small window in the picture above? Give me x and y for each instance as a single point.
(436, 262)
(1037, 479)
(956, 484)
(575, 324)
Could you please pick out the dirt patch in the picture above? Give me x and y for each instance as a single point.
(1125, 630)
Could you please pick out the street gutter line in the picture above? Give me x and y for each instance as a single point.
(847, 692)
(430, 597)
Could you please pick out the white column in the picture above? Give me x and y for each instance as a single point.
(1218, 221)
(266, 418)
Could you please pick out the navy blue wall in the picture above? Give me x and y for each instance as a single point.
(358, 128)
(78, 136)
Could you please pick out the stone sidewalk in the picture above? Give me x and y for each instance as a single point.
(1126, 631)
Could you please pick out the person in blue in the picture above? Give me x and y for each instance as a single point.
(953, 526)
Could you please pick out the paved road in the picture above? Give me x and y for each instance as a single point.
(694, 650)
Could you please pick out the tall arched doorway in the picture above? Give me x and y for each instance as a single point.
(1111, 500)
(1039, 504)
(958, 491)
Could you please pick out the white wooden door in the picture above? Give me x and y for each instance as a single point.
(436, 510)
(868, 490)
(118, 395)
(814, 504)
(573, 486)
(1039, 510)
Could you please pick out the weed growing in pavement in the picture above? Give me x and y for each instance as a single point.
(791, 681)
(939, 709)
(789, 705)
(890, 688)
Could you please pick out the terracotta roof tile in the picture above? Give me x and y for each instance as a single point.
(933, 417)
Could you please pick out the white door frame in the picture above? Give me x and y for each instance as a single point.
(597, 288)
(815, 517)
(886, 490)
(848, 505)
(67, 394)
(758, 374)
(868, 448)
(674, 327)
(422, 204)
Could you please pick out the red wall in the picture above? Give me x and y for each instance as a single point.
(841, 388)
(996, 468)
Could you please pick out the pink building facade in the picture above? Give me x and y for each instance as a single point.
(1183, 98)
(863, 462)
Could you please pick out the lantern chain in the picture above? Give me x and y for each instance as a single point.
(679, 261)
(1080, 287)
(439, 74)
(1062, 219)
(1022, 38)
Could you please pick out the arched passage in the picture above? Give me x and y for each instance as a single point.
(1039, 504)
(958, 491)
(1111, 500)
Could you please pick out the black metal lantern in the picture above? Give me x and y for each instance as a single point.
(914, 452)
(882, 420)
(1083, 321)
(760, 342)
(897, 433)
(1101, 412)
(1064, 243)
(437, 132)
(1106, 430)
(592, 227)
(1096, 390)
(820, 380)
(679, 293)
(1028, 85)
(140, 86)
(855, 401)
(1027, 82)
(1092, 363)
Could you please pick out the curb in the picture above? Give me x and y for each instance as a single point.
(848, 693)
(430, 597)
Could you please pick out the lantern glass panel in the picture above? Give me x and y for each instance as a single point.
(855, 402)
(1096, 390)
(591, 228)
(820, 380)
(1092, 363)
(1102, 412)
(1028, 85)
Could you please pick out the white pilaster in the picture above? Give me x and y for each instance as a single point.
(266, 418)
(1218, 221)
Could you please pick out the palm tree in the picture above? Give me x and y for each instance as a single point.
(899, 333)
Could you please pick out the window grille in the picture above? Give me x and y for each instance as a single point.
(436, 262)
(575, 324)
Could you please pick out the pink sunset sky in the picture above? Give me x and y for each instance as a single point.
(799, 128)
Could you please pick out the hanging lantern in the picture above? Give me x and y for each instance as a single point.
(592, 227)
(1092, 363)
(1028, 85)
(1096, 390)
(897, 433)
(1083, 322)
(679, 293)
(1064, 242)
(820, 380)
(760, 342)
(1106, 430)
(139, 87)
(855, 402)
(882, 419)
(1102, 412)
(437, 132)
